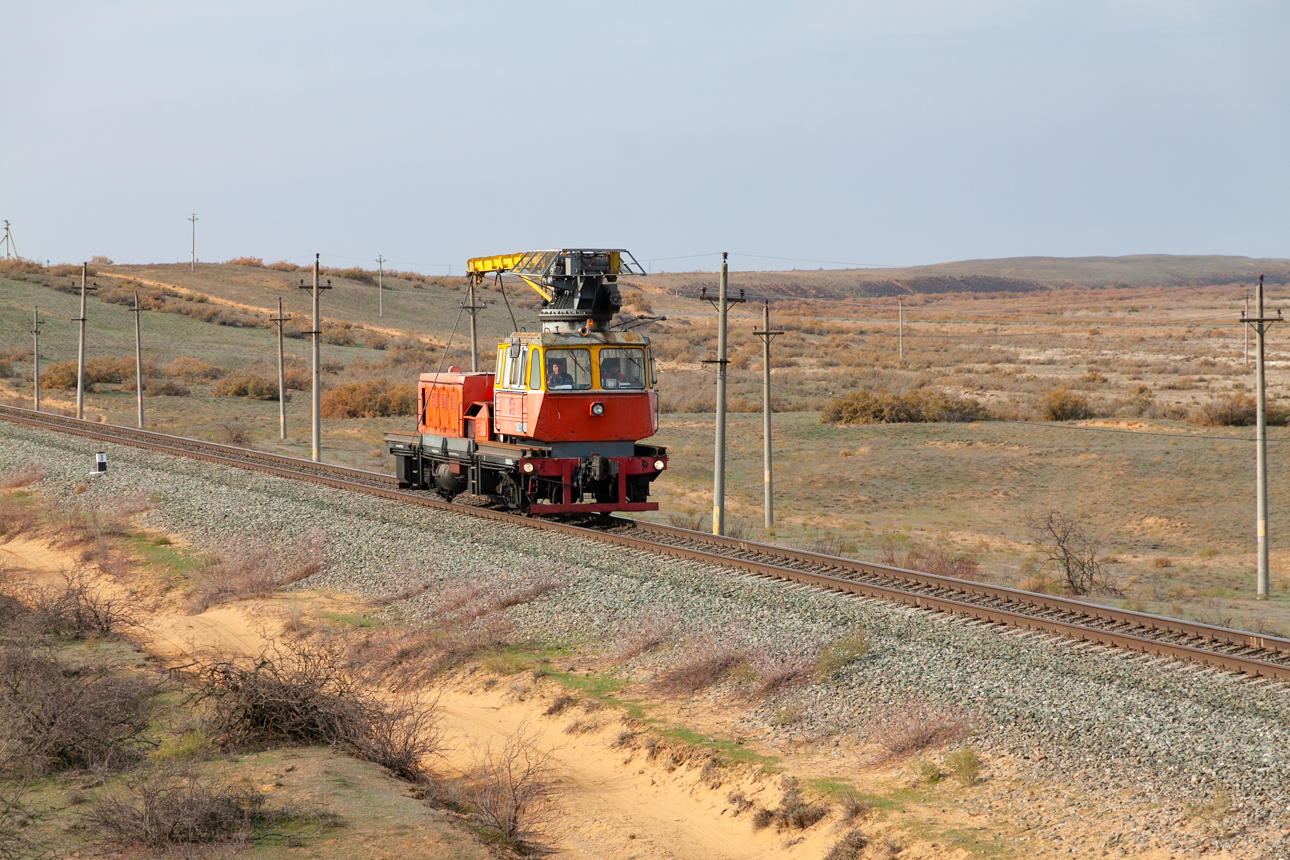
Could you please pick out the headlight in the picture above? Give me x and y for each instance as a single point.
(597, 409)
(528, 467)
(659, 465)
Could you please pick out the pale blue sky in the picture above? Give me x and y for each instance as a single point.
(896, 132)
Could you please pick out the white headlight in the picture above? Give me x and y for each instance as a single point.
(659, 465)
(597, 409)
(528, 467)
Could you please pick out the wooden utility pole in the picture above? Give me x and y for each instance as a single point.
(722, 304)
(192, 260)
(900, 331)
(138, 358)
(35, 361)
(282, 375)
(316, 400)
(767, 336)
(80, 352)
(1261, 324)
(380, 285)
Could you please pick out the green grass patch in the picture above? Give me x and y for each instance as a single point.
(730, 752)
(170, 559)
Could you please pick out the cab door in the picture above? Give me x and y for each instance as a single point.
(511, 418)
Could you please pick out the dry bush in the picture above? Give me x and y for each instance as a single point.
(254, 262)
(16, 518)
(851, 805)
(793, 812)
(461, 601)
(774, 675)
(166, 388)
(1061, 405)
(695, 522)
(249, 385)
(192, 371)
(1066, 543)
(644, 635)
(561, 704)
(15, 818)
(231, 433)
(964, 765)
(21, 475)
(848, 847)
(54, 717)
(284, 266)
(840, 652)
(253, 571)
(705, 663)
(78, 609)
(378, 398)
(824, 543)
(169, 806)
(509, 792)
(938, 562)
(308, 695)
(916, 727)
(59, 375)
(918, 405)
(100, 260)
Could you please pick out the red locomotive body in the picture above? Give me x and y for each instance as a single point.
(557, 428)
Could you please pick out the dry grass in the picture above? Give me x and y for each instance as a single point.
(644, 635)
(704, 663)
(21, 475)
(848, 847)
(792, 813)
(509, 793)
(77, 608)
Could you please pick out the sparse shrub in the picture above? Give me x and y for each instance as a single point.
(915, 727)
(100, 260)
(707, 664)
(928, 771)
(169, 806)
(918, 405)
(560, 705)
(249, 385)
(166, 388)
(848, 847)
(1061, 405)
(825, 543)
(1162, 561)
(60, 375)
(509, 792)
(1070, 548)
(692, 521)
(284, 266)
(739, 801)
(374, 399)
(54, 717)
(964, 765)
(307, 695)
(78, 609)
(21, 475)
(192, 371)
(252, 571)
(851, 805)
(793, 812)
(254, 262)
(644, 635)
(776, 675)
(839, 653)
(231, 433)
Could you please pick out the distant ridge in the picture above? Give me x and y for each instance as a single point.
(1006, 275)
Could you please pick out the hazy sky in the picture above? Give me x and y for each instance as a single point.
(894, 132)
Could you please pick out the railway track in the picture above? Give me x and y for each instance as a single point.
(1233, 650)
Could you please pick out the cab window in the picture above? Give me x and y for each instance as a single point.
(515, 368)
(535, 372)
(622, 368)
(568, 369)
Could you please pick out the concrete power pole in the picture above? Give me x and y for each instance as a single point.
(722, 305)
(474, 335)
(1261, 324)
(767, 336)
(192, 260)
(10, 249)
(282, 375)
(80, 352)
(138, 358)
(380, 285)
(35, 362)
(316, 424)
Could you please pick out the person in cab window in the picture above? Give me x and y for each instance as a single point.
(611, 375)
(556, 377)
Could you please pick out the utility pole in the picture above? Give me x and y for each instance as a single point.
(474, 336)
(10, 249)
(767, 336)
(316, 424)
(80, 352)
(380, 285)
(282, 375)
(1247, 330)
(722, 305)
(1261, 324)
(192, 260)
(35, 362)
(138, 357)
(900, 331)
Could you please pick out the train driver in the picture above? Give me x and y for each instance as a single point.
(556, 377)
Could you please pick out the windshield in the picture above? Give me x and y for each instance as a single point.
(622, 368)
(568, 369)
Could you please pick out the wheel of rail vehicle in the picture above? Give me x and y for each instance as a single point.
(509, 489)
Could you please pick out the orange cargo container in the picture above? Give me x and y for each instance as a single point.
(446, 397)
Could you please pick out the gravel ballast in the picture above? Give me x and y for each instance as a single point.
(1140, 741)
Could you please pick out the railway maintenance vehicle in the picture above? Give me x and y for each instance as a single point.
(556, 428)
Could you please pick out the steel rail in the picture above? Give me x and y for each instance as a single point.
(1012, 613)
